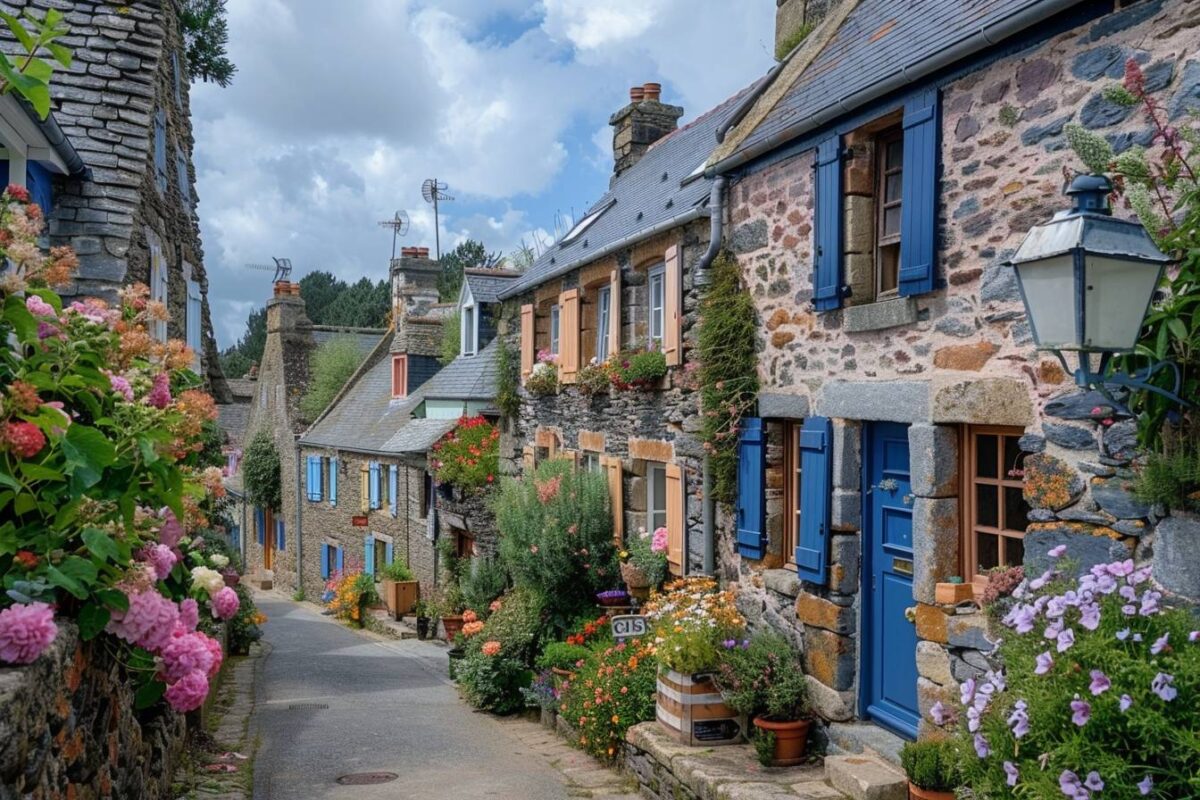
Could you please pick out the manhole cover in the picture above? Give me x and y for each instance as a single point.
(367, 778)
(295, 706)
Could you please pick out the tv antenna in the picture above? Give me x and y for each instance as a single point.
(399, 226)
(282, 268)
(433, 192)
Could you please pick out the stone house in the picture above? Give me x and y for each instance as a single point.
(625, 279)
(112, 165)
(878, 181)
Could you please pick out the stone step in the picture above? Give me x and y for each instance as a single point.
(865, 778)
(855, 738)
(396, 628)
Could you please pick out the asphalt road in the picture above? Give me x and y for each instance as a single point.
(332, 701)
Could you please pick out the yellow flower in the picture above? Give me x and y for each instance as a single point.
(615, 719)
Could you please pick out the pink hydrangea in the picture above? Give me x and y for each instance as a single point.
(148, 623)
(25, 632)
(159, 395)
(225, 603)
(214, 647)
(171, 531)
(189, 615)
(159, 556)
(120, 385)
(659, 543)
(188, 693)
(184, 654)
(39, 307)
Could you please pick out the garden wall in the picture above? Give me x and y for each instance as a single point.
(68, 729)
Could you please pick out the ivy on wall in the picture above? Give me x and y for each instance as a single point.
(260, 469)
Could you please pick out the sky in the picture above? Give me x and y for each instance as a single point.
(339, 111)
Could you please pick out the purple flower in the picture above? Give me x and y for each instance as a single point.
(1160, 644)
(1069, 783)
(1010, 770)
(1045, 662)
(1119, 569)
(729, 644)
(1137, 637)
(1194, 636)
(39, 307)
(1089, 616)
(1150, 605)
(1100, 683)
(1128, 592)
(1129, 610)
(1053, 629)
(1123, 634)
(1021, 618)
(1139, 576)
(47, 331)
(1106, 584)
(981, 746)
(973, 714)
(967, 691)
(1146, 785)
(1019, 719)
(1081, 711)
(1093, 781)
(1125, 703)
(1161, 686)
(1057, 552)
(1065, 640)
(940, 714)
(997, 679)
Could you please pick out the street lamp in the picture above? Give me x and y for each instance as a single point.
(1087, 280)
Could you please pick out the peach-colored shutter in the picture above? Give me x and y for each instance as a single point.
(675, 518)
(529, 458)
(612, 470)
(614, 313)
(672, 280)
(526, 340)
(568, 336)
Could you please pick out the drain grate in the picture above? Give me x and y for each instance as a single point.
(295, 706)
(367, 778)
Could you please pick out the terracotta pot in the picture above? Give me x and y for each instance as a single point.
(917, 793)
(452, 625)
(951, 594)
(791, 740)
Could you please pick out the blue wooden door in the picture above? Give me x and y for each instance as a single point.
(890, 643)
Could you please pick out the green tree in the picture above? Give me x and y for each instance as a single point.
(236, 360)
(332, 365)
(467, 255)
(451, 339)
(361, 305)
(260, 469)
(319, 290)
(205, 37)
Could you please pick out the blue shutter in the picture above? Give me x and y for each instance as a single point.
(369, 556)
(280, 540)
(394, 483)
(341, 561)
(388, 554)
(333, 472)
(816, 485)
(235, 538)
(260, 526)
(751, 501)
(918, 207)
(324, 561)
(827, 258)
(373, 485)
(160, 150)
(311, 470)
(181, 175)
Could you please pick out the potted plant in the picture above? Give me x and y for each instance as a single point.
(426, 611)
(400, 590)
(613, 598)
(644, 561)
(643, 370)
(543, 379)
(762, 679)
(561, 658)
(932, 768)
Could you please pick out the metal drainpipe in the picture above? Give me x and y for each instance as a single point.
(299, 529)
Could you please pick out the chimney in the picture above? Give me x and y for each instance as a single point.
(794, 19)
(640, 124)
(414, 279)
(285, 310)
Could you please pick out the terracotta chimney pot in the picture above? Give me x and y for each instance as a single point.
(636, 94)
(652, 91)
(422, 252)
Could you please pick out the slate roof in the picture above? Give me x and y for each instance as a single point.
(466, 377)
(232, 418)
(486, 284)
(366, 338)
(879, 40)
(657, 188)
(242, 387)
(419, 435)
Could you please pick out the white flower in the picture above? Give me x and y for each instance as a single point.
(209, 580)
(219, 561)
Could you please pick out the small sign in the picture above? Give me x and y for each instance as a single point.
(629, 626)
(358, 522)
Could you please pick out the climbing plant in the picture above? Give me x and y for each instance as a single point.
(260, 469)
(508, 399)
(728, 369)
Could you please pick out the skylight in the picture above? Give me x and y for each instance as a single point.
(584, 223)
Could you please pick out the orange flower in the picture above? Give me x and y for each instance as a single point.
(469, 616)
(491, 648)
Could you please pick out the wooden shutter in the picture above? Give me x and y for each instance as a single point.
(310, 483)
(160, 150)
(394, 485)
(333, 472)
(827, 252)
(816, 486)
(527, 340)
(373, 485)
(369, 555)
(751, 499)
(918, 207)
(676, 519)
(324, 561)
(614, 313)
(364, 488)
(568, 336)
(672, 299)
(529, 458)
(613, 472)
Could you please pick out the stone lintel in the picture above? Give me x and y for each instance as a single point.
(983, 401)
(774, 405)
(879, 401)
(592, 441)
(879, 316)
(651, 450)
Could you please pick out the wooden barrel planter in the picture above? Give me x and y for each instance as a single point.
(691, 708)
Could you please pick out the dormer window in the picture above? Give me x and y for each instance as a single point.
(400, 376)
(470, 330)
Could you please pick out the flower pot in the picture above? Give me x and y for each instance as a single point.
(609, 600)
(635, 580)
(452, 625)
(692, 710)
(917, 793)
(230, 576)
(401, 597)
(422, 628)
(951, 594)
(791, 740)
(455, 655)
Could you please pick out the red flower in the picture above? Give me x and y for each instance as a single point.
(23, 438)
(26, 559)
(17, 192)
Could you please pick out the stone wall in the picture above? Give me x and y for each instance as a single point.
(470, 512)
(68, 729)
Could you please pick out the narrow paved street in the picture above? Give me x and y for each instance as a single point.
(333, 702)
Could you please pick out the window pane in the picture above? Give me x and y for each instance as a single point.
(1014, 552)
(891, 221)
(1014, 459)
(1015, 509)
(380, 555)
(889, 267)
(895, 153)
(987, 509)
(891, 188)
(658, 478)
(987, 551)
(985, 456)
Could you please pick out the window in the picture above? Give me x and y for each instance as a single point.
(603, 313)
(381, 551)
(464, 543)
(160, 150)
(590, 462)
(325, 478)
(656, 497)
(554, 321)
(791, 489)
(192, 320)
(994, 500)
(657, 296)
(399, 376)
(158, 284)
(331, 560)
(470, 330)
(889, 163)
(381, 477)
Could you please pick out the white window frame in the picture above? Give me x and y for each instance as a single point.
(193, 315)
(656, 324)
(590, 461)
(653, 501)
(469, 320)
(603, 321)
(555, 321)
(159, 282)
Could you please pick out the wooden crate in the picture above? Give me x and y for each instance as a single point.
(692, 709)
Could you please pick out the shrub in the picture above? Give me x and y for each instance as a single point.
(260, 471)
(1170, 480)
(469, 455)
(543, 379)
(451, 342)
(493, 682)
(333, 364)
(508, 379)
(638, 370)
(517, 624)
(353, 591)
(497, 663)
(593, 378)
(556, 536)
(762, 677)
(244, 627)
(1098, 688)
(612, 691)
(789, 43)
(691, 621)
(932, 764)
(562, 655)
(483, 581)
(396, 571)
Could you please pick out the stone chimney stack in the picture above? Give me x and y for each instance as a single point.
(640, 124)
(414, 277)
(796, 17)
(285, 310)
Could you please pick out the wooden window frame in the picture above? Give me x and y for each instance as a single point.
(969, 529)
(791, 491)
(652, 497)
(883, 139)
(657, 273)
(400, 385)
(603, 322)
(555, 330)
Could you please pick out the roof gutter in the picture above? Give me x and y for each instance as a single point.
(746, 103)
(612, 247)
(57, 140)
(908, 74)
